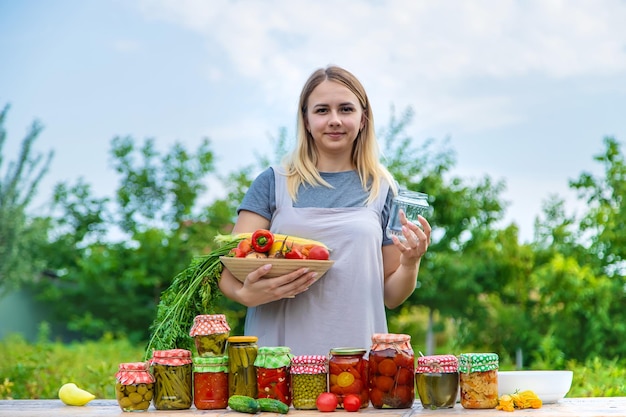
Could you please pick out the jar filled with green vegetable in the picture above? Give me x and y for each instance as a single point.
(242, 352)
(172, 370)
(437, 381)
(308, 380)
(134, 386)
(272, 373)
(210, 333)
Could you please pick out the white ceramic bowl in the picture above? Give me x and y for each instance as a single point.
(550, 386)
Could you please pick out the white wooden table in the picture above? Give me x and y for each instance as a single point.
(568, 407)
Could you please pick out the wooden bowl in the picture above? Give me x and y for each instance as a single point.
(241, 267)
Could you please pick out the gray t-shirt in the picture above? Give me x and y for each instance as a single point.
(261, 196)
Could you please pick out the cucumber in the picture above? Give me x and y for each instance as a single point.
(244, 404)
(273, 406)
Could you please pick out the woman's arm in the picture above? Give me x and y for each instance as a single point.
(256, 289)
(402, 260)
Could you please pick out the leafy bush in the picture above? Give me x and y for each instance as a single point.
(38, 370)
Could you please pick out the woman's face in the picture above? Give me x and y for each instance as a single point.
(334, 117)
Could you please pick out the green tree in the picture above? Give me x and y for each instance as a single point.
(116, 286)
(20, 233)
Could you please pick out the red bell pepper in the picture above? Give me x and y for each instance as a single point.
(262, 240)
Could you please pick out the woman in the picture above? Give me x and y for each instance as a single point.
(331, 188)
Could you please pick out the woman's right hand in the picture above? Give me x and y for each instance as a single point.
(257, 289)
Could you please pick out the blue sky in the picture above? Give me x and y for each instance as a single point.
(522, 91)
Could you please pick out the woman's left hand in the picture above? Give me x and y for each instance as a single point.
(416, 240)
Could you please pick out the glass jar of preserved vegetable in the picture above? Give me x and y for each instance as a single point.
(391, 371)
(308, 380)
(272, 373)
(172, 372)
(210, 382)
(478, 379)
(347, 373)
(210, 333)
(242, 352)
(437, 380)
(134, 387)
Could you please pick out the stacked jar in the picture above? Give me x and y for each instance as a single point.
(210, 333)
(478, 379)
(172, 372)
(437, 381)
(391, 371)
(347, 374)
(210, 382)
(308, 380)
(242, 352)
(134, 387)
(272, 373)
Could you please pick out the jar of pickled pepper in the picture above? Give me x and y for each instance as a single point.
(242, 352)
(210, 333)
(308, 380)
(391, 371)
(134, 387)
(347, 374)
(478, 380)
(210, 382)
(272, 373)
(437, 381)
(172, 372)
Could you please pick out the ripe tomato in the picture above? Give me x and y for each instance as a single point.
(319, 253)
(326, 402)
(351, 402)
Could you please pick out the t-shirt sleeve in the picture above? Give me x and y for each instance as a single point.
(261, 196)
(385, 218)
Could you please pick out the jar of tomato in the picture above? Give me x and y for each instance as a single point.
(134, 387)
(172, 372)
(437, 381)
(210, 333)
(272, 373)
(210, 382)
(242, 352)
(308, 380)
(391, 371)
(478, 379)
(347, 373)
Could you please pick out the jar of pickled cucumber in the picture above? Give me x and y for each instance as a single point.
(134, 386)
(172, 372)
(347, 373)
(478, 380)
(437, 381)
(210, 382)
(308, 380)
(272, 373)
(391, 371)
(210, 333)
(242, 352)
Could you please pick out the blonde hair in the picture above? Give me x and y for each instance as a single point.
(300, 165)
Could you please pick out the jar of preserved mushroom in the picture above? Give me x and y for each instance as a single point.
(172, 372)
(308, 380)
(478, 380)
(210, 333)
(134, 387)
